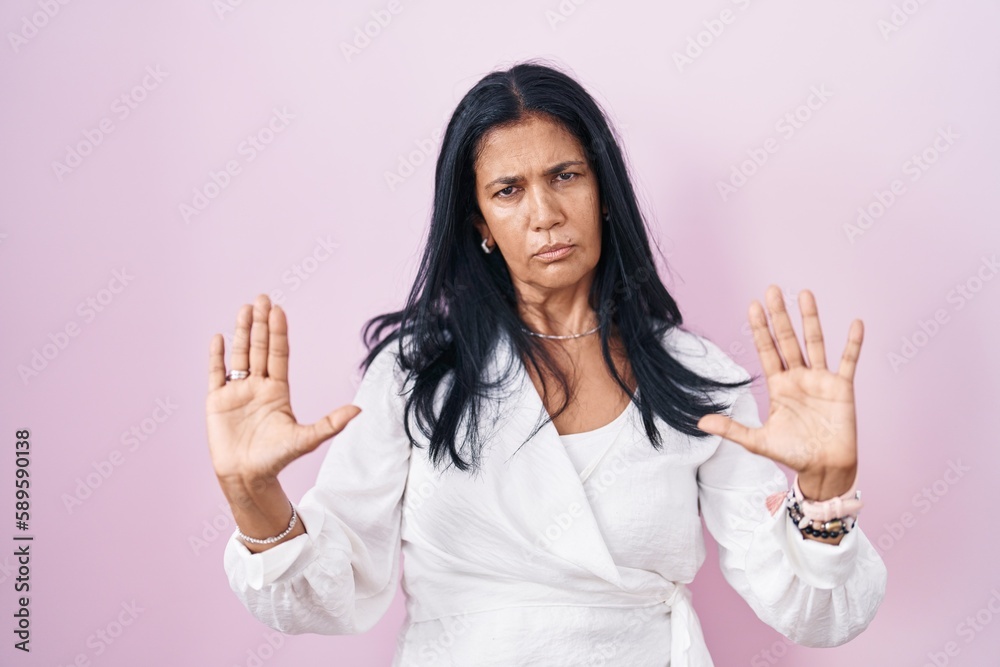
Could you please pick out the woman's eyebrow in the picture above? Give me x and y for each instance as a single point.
(555, 169)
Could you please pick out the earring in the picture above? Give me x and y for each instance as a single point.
(607, 216)
(486, 248)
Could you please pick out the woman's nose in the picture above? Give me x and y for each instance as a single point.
(544, 210)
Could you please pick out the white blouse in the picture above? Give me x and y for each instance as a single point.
(532, 562)
(585, 449)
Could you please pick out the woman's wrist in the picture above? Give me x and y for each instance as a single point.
(250, 492)
(270, 534)
(826, 520)
(261, 510)
(827, 484)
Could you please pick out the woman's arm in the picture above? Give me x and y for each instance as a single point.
(341, 574)
(815, 594)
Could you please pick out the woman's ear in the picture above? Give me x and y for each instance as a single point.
(480, 223)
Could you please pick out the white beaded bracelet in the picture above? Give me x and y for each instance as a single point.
(271, 540)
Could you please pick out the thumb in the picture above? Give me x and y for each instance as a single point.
(331, 425)
(730, 430)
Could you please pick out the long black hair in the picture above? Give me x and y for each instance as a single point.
(463, 299)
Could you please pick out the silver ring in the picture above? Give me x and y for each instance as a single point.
(237, 375)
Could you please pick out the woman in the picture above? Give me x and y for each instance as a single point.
(553, 521)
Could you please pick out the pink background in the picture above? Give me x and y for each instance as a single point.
(63, 237)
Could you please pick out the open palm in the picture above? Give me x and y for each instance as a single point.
(252, 432)
(811, 425)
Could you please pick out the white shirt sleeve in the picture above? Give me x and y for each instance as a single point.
(814, 593)
(341, 575)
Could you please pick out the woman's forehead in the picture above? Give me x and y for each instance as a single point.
(534, 141)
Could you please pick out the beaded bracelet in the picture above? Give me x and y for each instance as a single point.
(827, 518)
(832, 528)
(271, 540)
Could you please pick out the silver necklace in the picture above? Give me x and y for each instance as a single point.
(579, 335)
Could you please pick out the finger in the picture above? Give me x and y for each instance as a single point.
(216, 362)
(788, 343)
(240, 358)
(277, 346)
(731, 430)
(258, 336)
(330, 425)
(812, 332)
(770, 361)
(852, 351)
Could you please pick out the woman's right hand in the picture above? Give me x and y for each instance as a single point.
(252, 432)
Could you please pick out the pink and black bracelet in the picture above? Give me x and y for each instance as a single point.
(827, 518)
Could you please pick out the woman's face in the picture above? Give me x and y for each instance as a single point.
(535, 188)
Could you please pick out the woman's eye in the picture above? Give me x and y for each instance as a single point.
(508, 191)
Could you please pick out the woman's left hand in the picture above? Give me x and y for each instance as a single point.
(811, 426)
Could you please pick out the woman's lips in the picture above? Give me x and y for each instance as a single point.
(556, 254)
